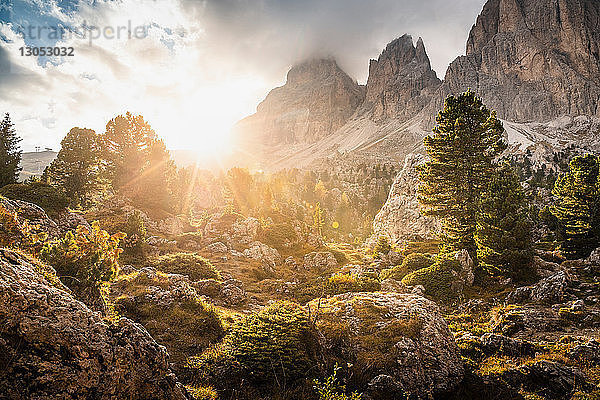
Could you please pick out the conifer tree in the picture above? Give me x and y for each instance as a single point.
(503, 233)
(465, 142)
(75, 168)
(577, 207)
(10, 154)
(318, 220)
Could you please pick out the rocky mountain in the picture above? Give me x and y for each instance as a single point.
(536, 62)
(317, 99)
(532, 60)
(401, 81)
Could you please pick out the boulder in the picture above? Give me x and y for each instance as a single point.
(394, 342)
(269, 256)
(319, 261)
(465, 273)
(550, 290)
(492, 343)
(400, 217)
(245, 230)
(53, 346)
(552, 380)
(217, 247)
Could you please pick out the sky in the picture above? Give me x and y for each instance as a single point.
(193, 68)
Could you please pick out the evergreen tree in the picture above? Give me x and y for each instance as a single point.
(577, 207)
(136, 161)
(467, 139)
(318, 220)
(75, 168)
(10, 154)
(503, 233)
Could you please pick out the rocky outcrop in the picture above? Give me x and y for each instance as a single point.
(52, 346)
(317, 99)
(401, 81)
(269, 256)
(400, 217)
(319, 261)
(396, 343)
(531, 60)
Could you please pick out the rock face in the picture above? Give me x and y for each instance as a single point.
(400, 218)
(317, 98)
(532, 60)
(396, 343)
(401, 81)
(52, 346)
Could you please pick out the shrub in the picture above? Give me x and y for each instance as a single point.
(273, 348)
(203, 393)
(136, 234)
(331, 389)
(84, 259)
(437, 279)
(382, 247)
(52, 200)
(190, 264)
(18, 233)
(412, 262)
(279, 235)
(348, 282)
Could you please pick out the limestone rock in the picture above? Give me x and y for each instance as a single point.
(52, 346)
(317, 98)
(319, 261)
(418, 356)
(401, 81)
(400, 217)
(269, 256)
(531, 60)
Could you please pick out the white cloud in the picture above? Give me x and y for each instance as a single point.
(204, 64)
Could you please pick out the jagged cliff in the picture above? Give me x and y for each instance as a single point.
(317, 99)
(531, 60)
(401, 81)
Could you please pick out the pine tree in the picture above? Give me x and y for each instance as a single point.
(75, 168)
(136, 161)
(577, 207)
(10, 154)
(318, 220)
(467, 139)
(503, 233)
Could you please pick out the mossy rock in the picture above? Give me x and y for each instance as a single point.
(403, 336)
(190, 264)
(411, 263)
(439, 279)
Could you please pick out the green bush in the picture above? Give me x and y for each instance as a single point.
(278, 235)
(273, 348)
(332, 389)
(437, 279)
(135, 241)
(412, 262)
(84, 260)
(382, 247)
(190, 264)
(347, 282)
(51, 199)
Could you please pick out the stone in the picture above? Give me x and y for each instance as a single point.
(552, 380)
(319, 261)
(492, 343)
(317, 98)
(400, 217)
(531, 60)
(418, 355)
(53, 346)
(466, 267)
(550, 290)
(269, 256)
(217, 247)
(245, 230)
(233, 293)
(401, 81)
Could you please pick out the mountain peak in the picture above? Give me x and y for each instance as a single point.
(401, 80)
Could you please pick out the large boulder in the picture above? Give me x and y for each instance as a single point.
(400, 217)
(54, 347)
(319, 261)
(550, 290)
(396, 343)
(269, 256)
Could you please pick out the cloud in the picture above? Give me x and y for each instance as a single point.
(203, 64)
